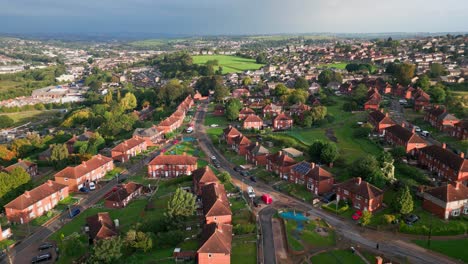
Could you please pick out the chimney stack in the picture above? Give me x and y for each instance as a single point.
(312, 165)
(386, 114)
(185, 153)
(457, 185)
(403, 124)
(27, 194)
(50, 183)
(378, 260)
(358, 180)
(462, 155)
(413, 130)
(444, 146)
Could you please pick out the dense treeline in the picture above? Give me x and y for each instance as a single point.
(180, 65)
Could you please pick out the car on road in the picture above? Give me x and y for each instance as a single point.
(92, 186)
(213, 158)
(216, 164)
(74, 212)
(214, 125)
(411, 219)
(253, 178)
(84, 190)
(425, 133)
(45, 246)
(417, 129)
(237, 168)
(41, 258)
(244, 173)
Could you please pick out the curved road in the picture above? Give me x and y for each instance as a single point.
(390, 244)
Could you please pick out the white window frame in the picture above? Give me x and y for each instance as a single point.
(455, 212)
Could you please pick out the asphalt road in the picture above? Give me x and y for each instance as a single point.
(269, 254)
(390, 244)
(93, 197)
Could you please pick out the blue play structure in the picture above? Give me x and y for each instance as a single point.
(296, 216)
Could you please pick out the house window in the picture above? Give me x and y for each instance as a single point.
(66, 179)
(209, 255)
(309, 186)
(345, 192)
(456, 212)
(465, 210)
(358, 197)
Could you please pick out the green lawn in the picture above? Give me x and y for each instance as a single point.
(220, 120)
(296, 190)
(452, 248)
(336, 65)
(308, 236)
(244, 250)
(31, 116)
(338, 257)
(229, 63)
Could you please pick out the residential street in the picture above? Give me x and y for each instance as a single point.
(93, 197)
(269, 254)
(390, 244)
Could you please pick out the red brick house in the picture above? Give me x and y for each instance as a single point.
(315, 178)
(240, 145)
(298, 109)
(245, 112)
(280, 163)
(439, 118)
(128, 149)
(101, 226)
(215, 245)
(373, 99)
(91, 170)
(272, 110)
(121, 197)
(170, 166)
(282, 122)
(151, 135)
(201, 177)
(400, 136)
(363, 195)
(380, 121)
(460, 130)
(444, 162)
(447, 201)
(241, 92)
(252, 122)
(35, 202)
(421, 100)
(219, 110)
(28, 166)
(256, 154)
(230, 134)
(215, 203)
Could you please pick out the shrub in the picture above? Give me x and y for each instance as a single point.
(241, 229)
(389, 218)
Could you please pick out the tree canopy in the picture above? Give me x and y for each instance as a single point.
(181, 204)
(327, 76)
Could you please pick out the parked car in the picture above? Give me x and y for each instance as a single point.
(357, 215)
(84, 190)
(74, 212)
(425, 133)
(411, 219)
(417, 129)
(92, 186)
(41, 258)
(214, 125)
(237, 168)
(328, 197)
(216, 164)
(46, 246)
(253, 178)
(244, 173)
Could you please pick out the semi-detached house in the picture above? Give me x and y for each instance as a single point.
(128, 149)
(361, 194)
(445, 163)
(171, 166)
(447, 201)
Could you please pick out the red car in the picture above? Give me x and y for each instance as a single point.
(357, 215)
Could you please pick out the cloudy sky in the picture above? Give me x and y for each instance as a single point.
(206, 17)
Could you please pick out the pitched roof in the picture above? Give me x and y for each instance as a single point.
(242, 140)
(257, 149)
(463, 124)
(282, 116)
(246, 111)
(311, 170)
(449, 192)
(446, 157)
(85, 167)
(231, 131)
(123, 191)
(146, 132)
(215, 201)
(381, 117)
(405, 135)
(204, 175)
(174, 160)
(436, 111)
(101, 226)
(361, 187)
(281, 159)
(128, 144)
(33, 196)
(25, 164)
(216, 239)
(252, 118)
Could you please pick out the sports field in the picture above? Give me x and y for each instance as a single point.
(229, 63)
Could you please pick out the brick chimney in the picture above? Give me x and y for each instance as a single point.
(462, 155)
(386, 114)
(280, 153)
(185, 153)
(50, 183)
(256, 143)
(378, 260)
(312, 165)
(27, 194)
(403, 124)
(457, 185)
(444, 146)
(358, 180)
(413, 130)
(83, 163)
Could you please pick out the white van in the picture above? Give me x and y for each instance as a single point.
(189, 130)
(251, 192)
(425, 133)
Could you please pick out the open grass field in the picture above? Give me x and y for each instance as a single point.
(336, 65)
(230, 64)
(31, 116)
(244, 249)
(452, 248)
(338, 257)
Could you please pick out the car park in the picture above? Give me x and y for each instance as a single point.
(41, 258)
(46, 246)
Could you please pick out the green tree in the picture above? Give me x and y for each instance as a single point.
(437, 93)
(423, 82)
(404, 201)
(301, 83)
(328, 76)
(359, 94)
(107, 250)
(329, 153)
(129, 101)
(220, 92)
(59, 155)
(6, 121)
(233, 108)
(366, 218)
(387, 167)
(107, 99)
(404, 73)
(437, 70)
(261, 58)
(398, 152)
(365, 167)
(181, 204)
(297, 96)
(315, 150)
(281, 90)
(225, 177)
(247, 81)
(139, 240)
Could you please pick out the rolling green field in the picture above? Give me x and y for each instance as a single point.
(31, 116)
(230, 64)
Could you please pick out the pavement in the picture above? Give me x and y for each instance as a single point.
(21, 253)
(392, 246)
(269, 252)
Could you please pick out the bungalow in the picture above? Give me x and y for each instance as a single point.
(230, 134)
(28, 166)
(216, 242)
(128, 149)
(100, 226)
(35, 202)
(256, 154)
(219, 110)
(380, 121)
(272, 110)
(444, 162)
(91, 170)
(400, 136)
(282, 122)
(245, 112)
(123, 194)
(201, 177)
(164, 166)
(363, 195)
(447, 201)
(280, 163)
(252, 122)
(240, 145)
(439, 118)
(215, 203)
(151, 135)
(316, 179)
(460, 130)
